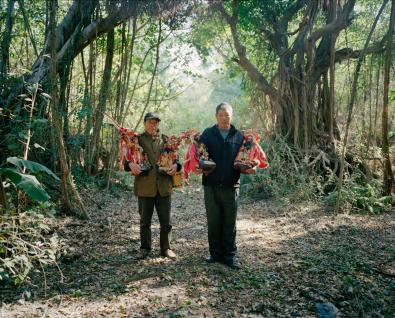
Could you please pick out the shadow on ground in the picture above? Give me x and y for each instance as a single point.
(293, 259)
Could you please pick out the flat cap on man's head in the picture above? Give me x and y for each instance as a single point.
(151, 115)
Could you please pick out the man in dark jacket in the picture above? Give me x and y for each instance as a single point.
(153, 189)
(221, 187)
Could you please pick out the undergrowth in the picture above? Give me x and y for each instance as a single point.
(294, 177)
(26, 243)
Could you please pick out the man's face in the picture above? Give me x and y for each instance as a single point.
(224, 117)
(151, 126)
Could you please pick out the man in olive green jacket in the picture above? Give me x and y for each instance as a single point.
(153, 189)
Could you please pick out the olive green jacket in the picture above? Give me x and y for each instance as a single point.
(153, 183)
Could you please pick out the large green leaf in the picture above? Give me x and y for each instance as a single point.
(32, 166)
(29, 184)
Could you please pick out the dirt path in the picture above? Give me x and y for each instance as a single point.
(296, 260)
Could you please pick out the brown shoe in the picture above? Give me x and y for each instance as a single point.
(169, 254)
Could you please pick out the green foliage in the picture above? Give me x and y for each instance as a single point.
(361, 196)
(24, 245)
(354, 291)
(255, 13)
(126, 180)
(293, 179)
(80, 176)
(287, 177)
(203, 36)
(33, 167)
(27, 182)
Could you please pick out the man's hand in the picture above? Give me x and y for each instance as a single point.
(250, 171)
(172, 170)
(134, 168)
(200, 171)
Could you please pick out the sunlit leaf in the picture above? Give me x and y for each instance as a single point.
(33, 167)
(29, 184)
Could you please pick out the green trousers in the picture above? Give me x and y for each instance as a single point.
(146, 210)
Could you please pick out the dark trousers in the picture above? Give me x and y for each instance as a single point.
(221, 211)
(146, 209)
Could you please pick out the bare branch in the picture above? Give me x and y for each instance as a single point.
(341, 22)
(348, 53)
(292, 10)
(255, 75)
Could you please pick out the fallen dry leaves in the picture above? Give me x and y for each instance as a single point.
(293, 258)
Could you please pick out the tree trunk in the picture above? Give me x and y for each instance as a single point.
(101, 108)
(27, 26)
(29, 130)
(121, 95)
(70, 197)
(153, 74)
(64, 76)
(292, 92)
(5, 44)
(331, 111)
(77, 30)
(388, 175)
(88, 105)
(351, 106)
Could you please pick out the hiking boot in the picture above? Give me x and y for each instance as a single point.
(169, 254)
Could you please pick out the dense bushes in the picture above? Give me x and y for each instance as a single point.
(287, 176)
(26, 243)
(25, 240)
(295, 177)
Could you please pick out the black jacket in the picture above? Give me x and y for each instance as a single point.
(223, 153)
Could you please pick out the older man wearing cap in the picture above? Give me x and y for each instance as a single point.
(154, 189)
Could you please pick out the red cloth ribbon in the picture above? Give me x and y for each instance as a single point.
(129, 147)
(191, 160)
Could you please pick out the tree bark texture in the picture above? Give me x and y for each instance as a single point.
(388, 175)
(70, 197)
(351, 106)
(293, 92)
(78, 29)
(5, 44)
(101, 108)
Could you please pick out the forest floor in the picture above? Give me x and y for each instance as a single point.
(298, 260)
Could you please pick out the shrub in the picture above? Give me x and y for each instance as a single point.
(287, 176)
(360, 196)
(293, 176)
(25, 244)
(27, 182)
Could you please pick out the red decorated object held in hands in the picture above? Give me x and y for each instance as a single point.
(196, 156)
(129, 148)
(250, 154)
(169, 153)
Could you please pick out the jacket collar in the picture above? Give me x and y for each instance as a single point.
(145, 134)
(232, 130)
